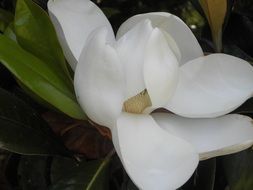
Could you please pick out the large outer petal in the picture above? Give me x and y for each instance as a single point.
(74, 20)
(153, 158)
(131, 48)
(174, 26)
(160, 69)
(212, 86)
(211, 137)
(99, 81)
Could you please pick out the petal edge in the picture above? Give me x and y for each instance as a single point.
(153, 158)
(99, 80)
(212, 86)
(211, 137)
(74, 20)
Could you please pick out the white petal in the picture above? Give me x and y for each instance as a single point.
(131, 49)
(211, 137)
(74, 20)
(172, 44)
(175, 27)
(153, 158)
(212, 86)
(160, 69)
(99, 82)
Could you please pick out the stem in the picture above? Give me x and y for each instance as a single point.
(217, 40)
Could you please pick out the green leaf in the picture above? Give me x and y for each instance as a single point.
(2, 26)
(6, 16)
(38, 77)
(23, 131)
(238, 169)
(32, 172)
(36, 34)
(86, 175)
(9, 32)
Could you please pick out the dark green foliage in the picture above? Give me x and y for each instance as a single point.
(23, 131)
(238, 170)
(71, 175)
(32, 172)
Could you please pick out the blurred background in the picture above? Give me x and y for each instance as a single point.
(238, 27)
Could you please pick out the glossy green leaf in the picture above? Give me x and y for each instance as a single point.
(238, 169)
(23, 131)
(85, 175)
(38, 77)
(36, 34)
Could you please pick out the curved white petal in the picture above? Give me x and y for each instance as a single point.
(131, 49)
(74, 20)
(175, 27)
(160, 69)
(211, 137)
(172, 44)
(99, 81)
(153, 158)
(212, 86)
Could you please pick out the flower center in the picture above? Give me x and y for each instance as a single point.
(138, 103)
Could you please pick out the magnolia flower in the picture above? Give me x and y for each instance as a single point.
(155, 61)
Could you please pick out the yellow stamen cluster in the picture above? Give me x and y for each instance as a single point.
(138, 103)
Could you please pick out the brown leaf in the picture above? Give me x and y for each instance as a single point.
(215, 11)
(80, 136)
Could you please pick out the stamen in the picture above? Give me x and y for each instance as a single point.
(138, 103)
